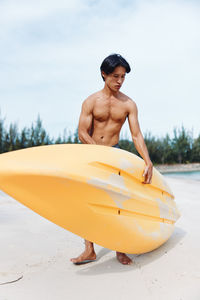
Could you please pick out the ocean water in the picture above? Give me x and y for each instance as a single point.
(195, 175)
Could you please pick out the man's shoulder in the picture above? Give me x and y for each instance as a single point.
(91, 98)
(130, 102)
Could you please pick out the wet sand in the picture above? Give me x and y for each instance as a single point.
(35, 258)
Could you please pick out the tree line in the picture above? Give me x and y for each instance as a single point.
(180, 148)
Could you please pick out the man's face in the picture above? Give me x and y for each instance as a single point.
(115, 79)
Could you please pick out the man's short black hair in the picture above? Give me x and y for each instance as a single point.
(111, 62)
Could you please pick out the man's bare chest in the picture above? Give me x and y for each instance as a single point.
(103, 112)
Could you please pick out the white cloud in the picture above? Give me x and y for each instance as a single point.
(23, 11)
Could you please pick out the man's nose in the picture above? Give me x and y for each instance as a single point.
(120, 80)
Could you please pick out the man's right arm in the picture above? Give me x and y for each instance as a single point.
(139, 141)
(85, 122)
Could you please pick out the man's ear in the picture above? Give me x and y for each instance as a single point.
(103, 74)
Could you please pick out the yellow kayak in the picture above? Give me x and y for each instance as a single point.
(96, 192)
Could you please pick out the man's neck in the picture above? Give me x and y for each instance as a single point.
(106, 90)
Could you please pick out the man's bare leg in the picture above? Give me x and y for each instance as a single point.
(87, 256)
(123, 258)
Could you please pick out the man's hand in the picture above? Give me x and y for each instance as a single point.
(148, 172)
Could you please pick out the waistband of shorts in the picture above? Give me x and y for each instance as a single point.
(116, 146)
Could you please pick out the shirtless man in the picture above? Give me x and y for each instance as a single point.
(102, 116)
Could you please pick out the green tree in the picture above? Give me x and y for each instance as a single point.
(166, 150)
(154, 147)
(127, 145)
(58, 140)
(76, 138)
(196, 150)
(12, 137)
(23, 139)
(182, 145)
(2, 134)
(37, 135)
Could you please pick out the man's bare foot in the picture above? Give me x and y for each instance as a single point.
(123, 258)
(85, 257)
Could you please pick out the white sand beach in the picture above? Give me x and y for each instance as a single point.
(35, 255)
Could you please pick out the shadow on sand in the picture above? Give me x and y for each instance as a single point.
(111, 265)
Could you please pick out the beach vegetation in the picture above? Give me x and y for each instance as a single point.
(195, 157)
(180, 148)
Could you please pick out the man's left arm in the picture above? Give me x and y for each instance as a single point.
(139, 141)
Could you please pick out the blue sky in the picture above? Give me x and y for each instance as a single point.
(50, 53)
